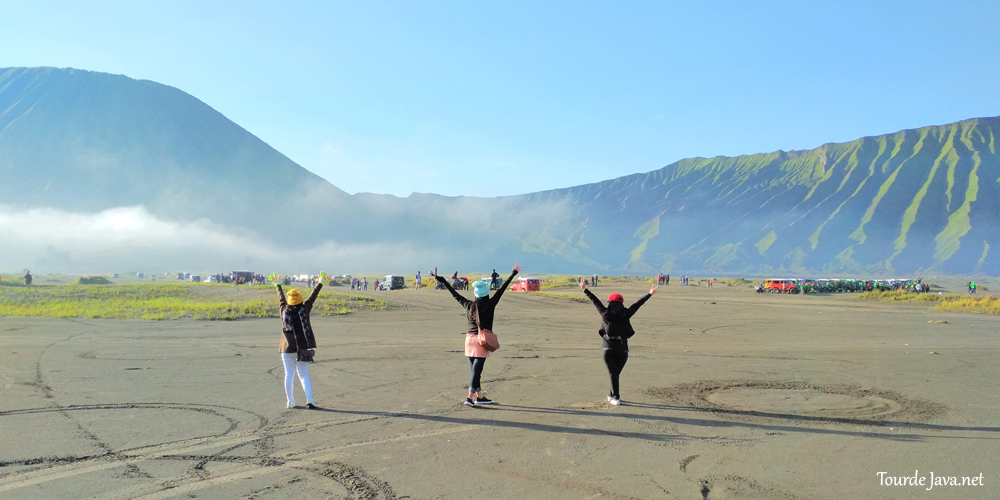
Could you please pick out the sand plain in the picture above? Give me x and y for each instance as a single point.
(727, 394)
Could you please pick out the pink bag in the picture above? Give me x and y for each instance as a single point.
(488, 340)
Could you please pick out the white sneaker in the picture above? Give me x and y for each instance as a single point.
(614, 401)
(291, 404)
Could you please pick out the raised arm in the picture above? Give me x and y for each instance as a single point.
(632, 309)
(593, 298)
(313, 295)
(496, 296)
(282, 301)
(461, 300)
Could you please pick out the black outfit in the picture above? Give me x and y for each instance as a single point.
(495, 282)
(616, 329)
(485, 307)
(476, 364)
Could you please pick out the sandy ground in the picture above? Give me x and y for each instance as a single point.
(727, 394)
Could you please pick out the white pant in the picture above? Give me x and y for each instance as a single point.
(292, 366)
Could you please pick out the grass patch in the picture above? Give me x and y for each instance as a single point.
(92, 280)
(977, 305)
(575, 298)
(950, 302)
(161, 302)
(905, 296)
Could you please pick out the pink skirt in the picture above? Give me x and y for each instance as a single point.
(472, 347)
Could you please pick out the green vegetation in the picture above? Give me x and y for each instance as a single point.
(738, 281)
(978, 305)
(576, 298)
(905, 296)
(163, 301)
(950, 302)
(92, 280)
(646, 232)
(766, 242)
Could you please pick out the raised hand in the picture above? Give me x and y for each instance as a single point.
(517, 267)
(583, 285)
(652, 289)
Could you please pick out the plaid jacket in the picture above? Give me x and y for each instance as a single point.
(296, 329)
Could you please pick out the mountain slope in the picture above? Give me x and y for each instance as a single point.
(917, 200)
(80, 140)
(922, 199)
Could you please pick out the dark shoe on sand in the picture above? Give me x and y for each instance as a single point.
(484, 401)
(311, 406)
(469, 402)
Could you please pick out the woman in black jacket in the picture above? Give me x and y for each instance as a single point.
(615, 331)
(479, 312)
(298, 343)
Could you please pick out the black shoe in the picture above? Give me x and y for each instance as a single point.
(469, 402)
(311, 406)
(484, 401)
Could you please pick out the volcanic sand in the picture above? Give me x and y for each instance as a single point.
(727, 394)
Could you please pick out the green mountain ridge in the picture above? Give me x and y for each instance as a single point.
(914, 201)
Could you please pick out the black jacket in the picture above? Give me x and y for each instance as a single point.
(296, 329)
(485, 305)
(616, 327)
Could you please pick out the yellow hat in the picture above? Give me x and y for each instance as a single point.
(294, 297)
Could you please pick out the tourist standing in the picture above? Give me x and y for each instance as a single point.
(616, 329)
(298, 344)
(479, 313)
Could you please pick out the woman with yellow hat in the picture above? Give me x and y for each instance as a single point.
(479, 312)
(298, 344)
(616, 329)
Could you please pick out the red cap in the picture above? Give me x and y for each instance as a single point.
(616, 297)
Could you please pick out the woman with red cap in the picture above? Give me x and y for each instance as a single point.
(615, 331)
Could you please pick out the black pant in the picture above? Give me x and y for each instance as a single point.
(477, 372)
(616, 362)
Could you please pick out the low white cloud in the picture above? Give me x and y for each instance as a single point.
(132, 239)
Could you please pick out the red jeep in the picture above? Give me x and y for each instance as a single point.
(782, 286)
(526, 285)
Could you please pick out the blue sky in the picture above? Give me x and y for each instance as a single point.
(492, 98)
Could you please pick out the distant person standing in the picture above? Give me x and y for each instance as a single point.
(479, 313)
(667, 280)
(616, 329)
(298, 344)
(495, 280)
(417, 279)
(364, 283)
(27, 278)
